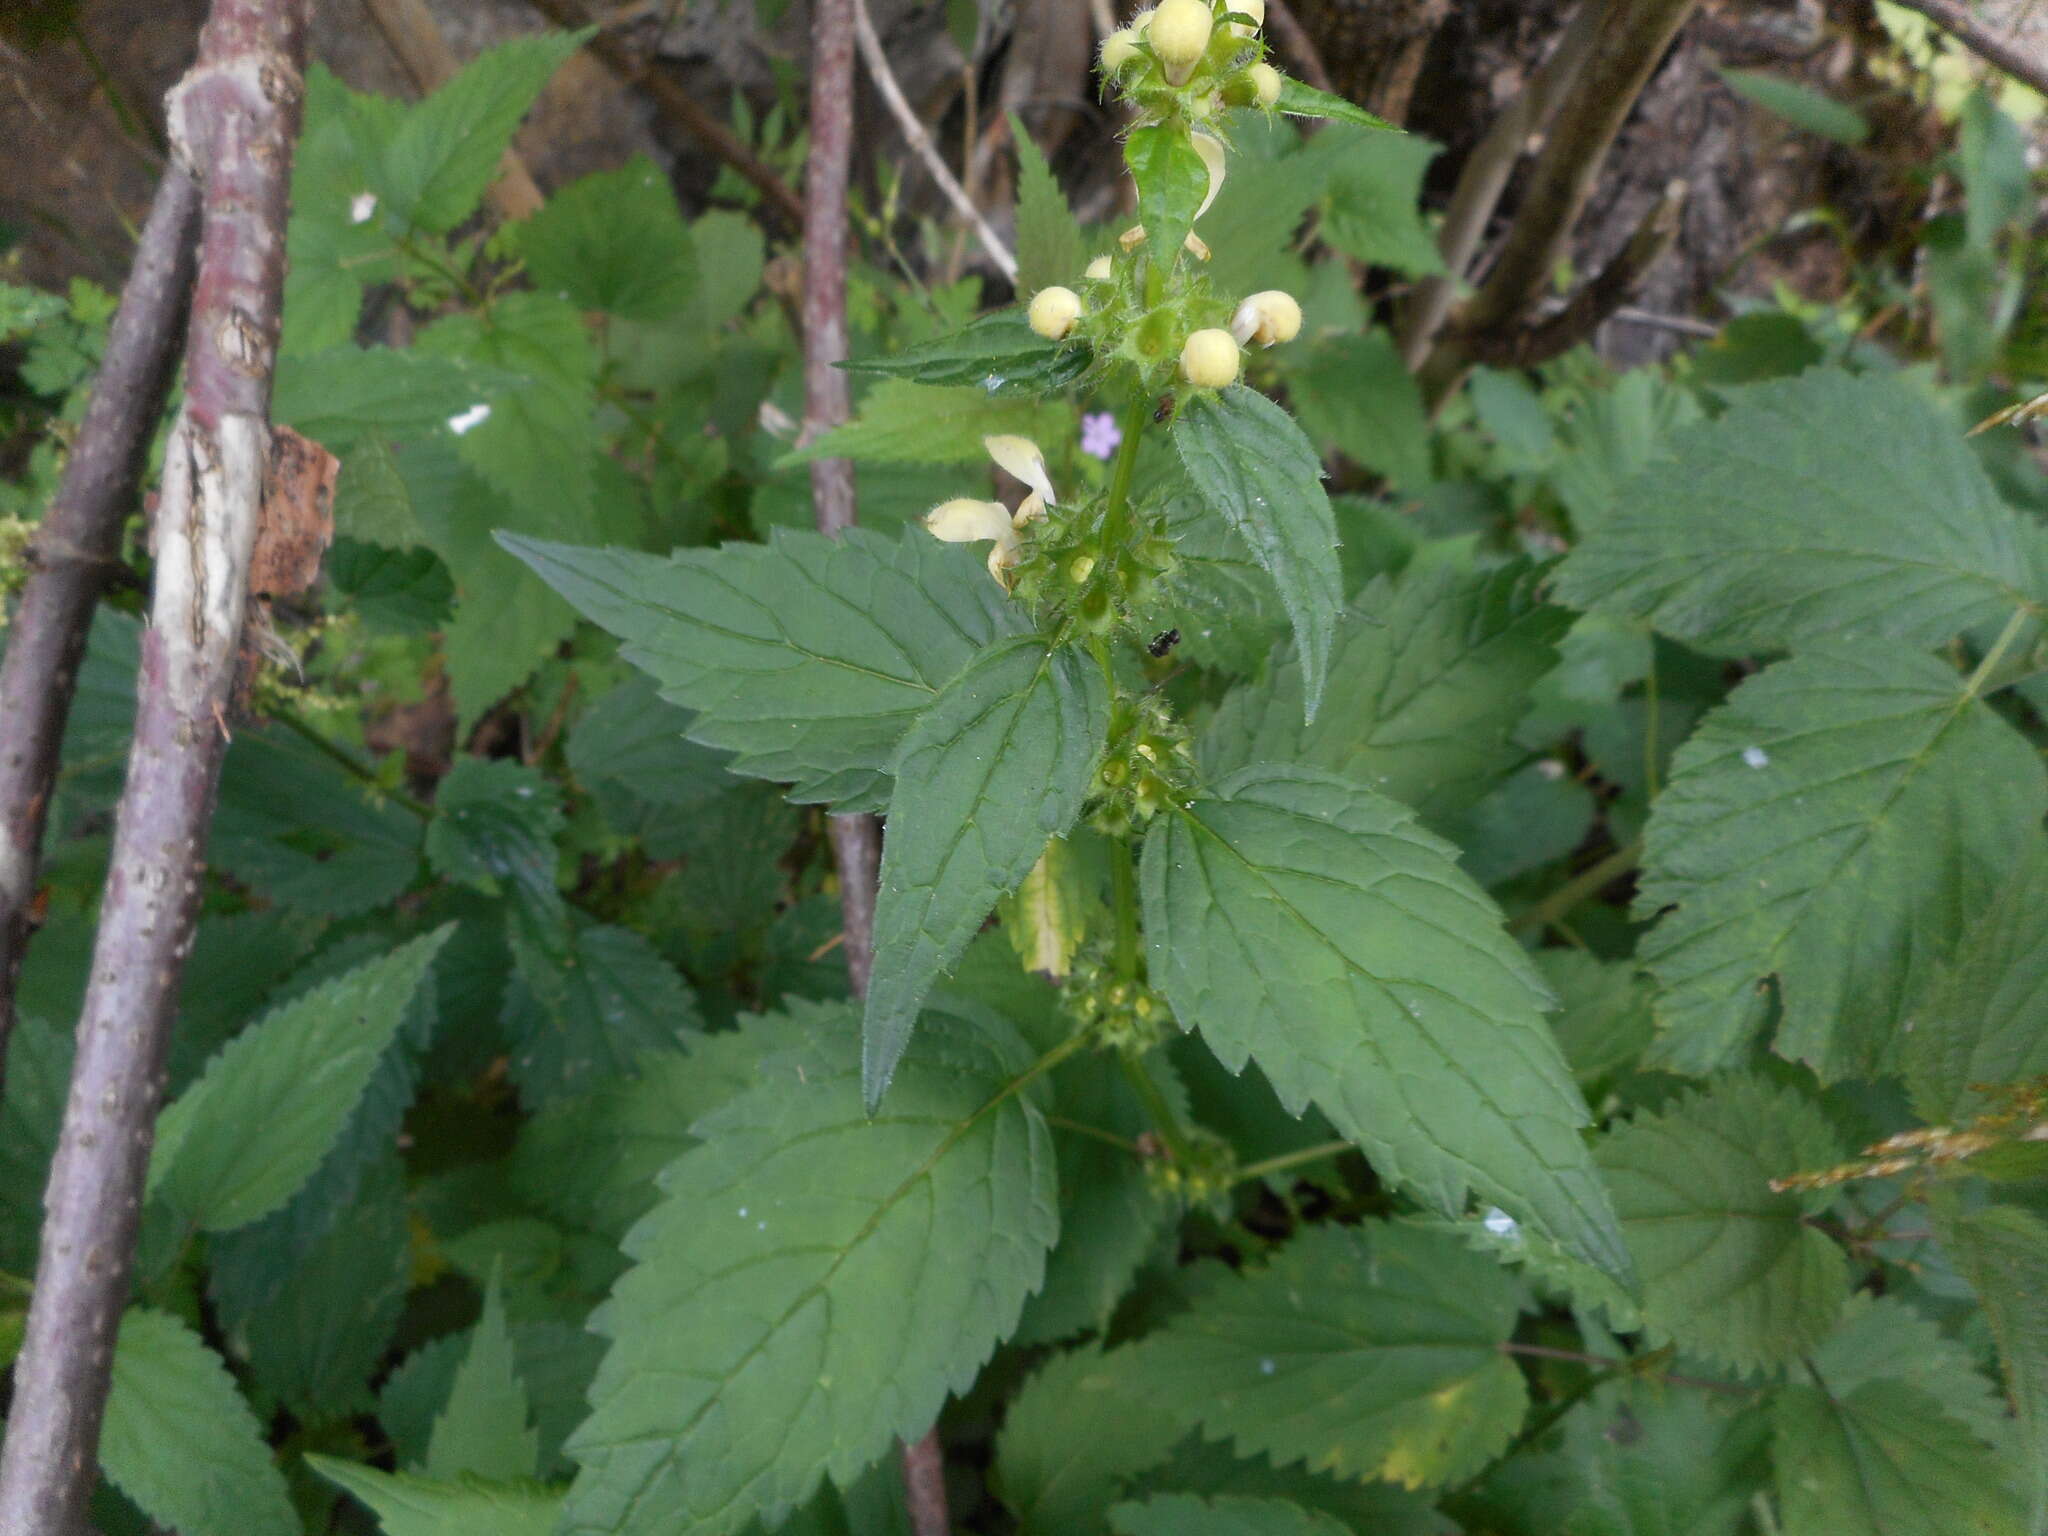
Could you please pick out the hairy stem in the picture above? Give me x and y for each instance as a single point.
(76, 548)
(235, 115)
(1560, 902)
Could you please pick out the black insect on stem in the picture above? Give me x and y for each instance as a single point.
(1162, 642)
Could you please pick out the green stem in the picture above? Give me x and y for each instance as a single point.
(1578, 888)
(351, 764)
(1267, 1167)
(1062, 1123)
(1996, 654)
(1137, 416)
(1164, 1121)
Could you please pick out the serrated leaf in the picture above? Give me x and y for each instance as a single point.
(1222, 602)
(494, 828)
(445, 151)
(2002, 1251)
(1000, 762)
(1308, 922)
(1182, 1514)
(1882, 1338)
(1073, 1437)
(1604, 1020)
(1384, 1509)
(1355, 393)
(1795, 841)
(419, 1506)
(482, 1430)
(349, 398)
(1730, 1269)
(1429, 677)
(806, 656)
(1049, 245)
(181, 1442)
(579, 1016)
(245, 1136)
(813, 1282)
(998, 354)
(615, 242)
(1984, 1017)
(1047, 915)
(901, 422)
(1365, 1352)
(1171, 179)
(1298, 100)
(1883, 1460)
(1251, 465)
(1373, 211)
(1816, 507)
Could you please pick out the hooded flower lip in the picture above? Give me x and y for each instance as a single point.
(964, 520)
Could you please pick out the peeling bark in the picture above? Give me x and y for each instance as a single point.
(233, 119)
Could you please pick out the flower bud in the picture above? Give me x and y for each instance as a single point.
(1256, 9)
(1180, 36)
(1266, 83)
(1209, 359)
(1099, 270)
(1054, 311)
(1141, 24)
(1080, 568)
(1267, 318)
(1118, 49)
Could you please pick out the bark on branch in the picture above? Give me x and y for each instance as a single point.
(1956, 20)
(75, 548)
(233, 119)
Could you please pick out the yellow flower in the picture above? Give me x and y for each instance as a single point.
(1256, 9)
(1209, 359)
(1118, 49)
(967, 521)
(1266, 82)
(1267, 318)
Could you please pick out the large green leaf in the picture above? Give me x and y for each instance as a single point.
(1354, 393)
(1183, 1514)
(1374, 209)
(1833, 826)
(814, 1282)
(1817, 506)
(999, 354)
(615, 242)
(180, 1441)
(494, 827)
(586, 1013)
(1000, 763)
(239, 1141)
(2002, 1251)
(1049, 245)
(1074, 1436)
(1298, 100)
(1250, 463)
(1428, 678)
(1171, 179)
(419, 1506)
(482, 1430)
(1984, 1017)
(901, 422)
(1310, 923)
(807, 656)
(446, 149)
(1730, 1269)
(1366, 1352)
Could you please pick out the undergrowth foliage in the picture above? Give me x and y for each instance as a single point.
(528, 1167)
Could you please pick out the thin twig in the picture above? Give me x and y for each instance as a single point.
(680, 107)
(921, 145)
(235, 115)
(415, 38)
(1956, 20)
(1681, 325)
(1575, 890)
(75, 552)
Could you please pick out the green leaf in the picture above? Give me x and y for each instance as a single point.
(1884, 1460)
(1049, 245)
(38, 1079)
(1429, 677)
(1221, 600)
(1298, 100)
(1171, 179)
(575, 1018)
(1000, 762)
(446, 149)
(814, 1282)
(2003, 1252)
(180, 1441)
(1881, 1338)
(1984, 1017)
(1250, 463)
(1800, 105)
(1074, 1436)
(418, 1506)
(1819, 506)
(1354, 393)
(349, 398)
(902, 422)
(1604, 1021)
(239, 1141)
(1731, 1270)
(808, 657)
(614, 242)
(1182, 1514)
(999, 354)
(1796, 841)
(1374, 206)
(494, 828)
(1309, 923)
(483, 1430)
(1365, 1352)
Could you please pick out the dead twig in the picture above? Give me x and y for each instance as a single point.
(2031, 68)
(76, 550)
(233, 119)
(920, 141)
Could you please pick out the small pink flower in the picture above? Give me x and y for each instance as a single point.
(1100, 435)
